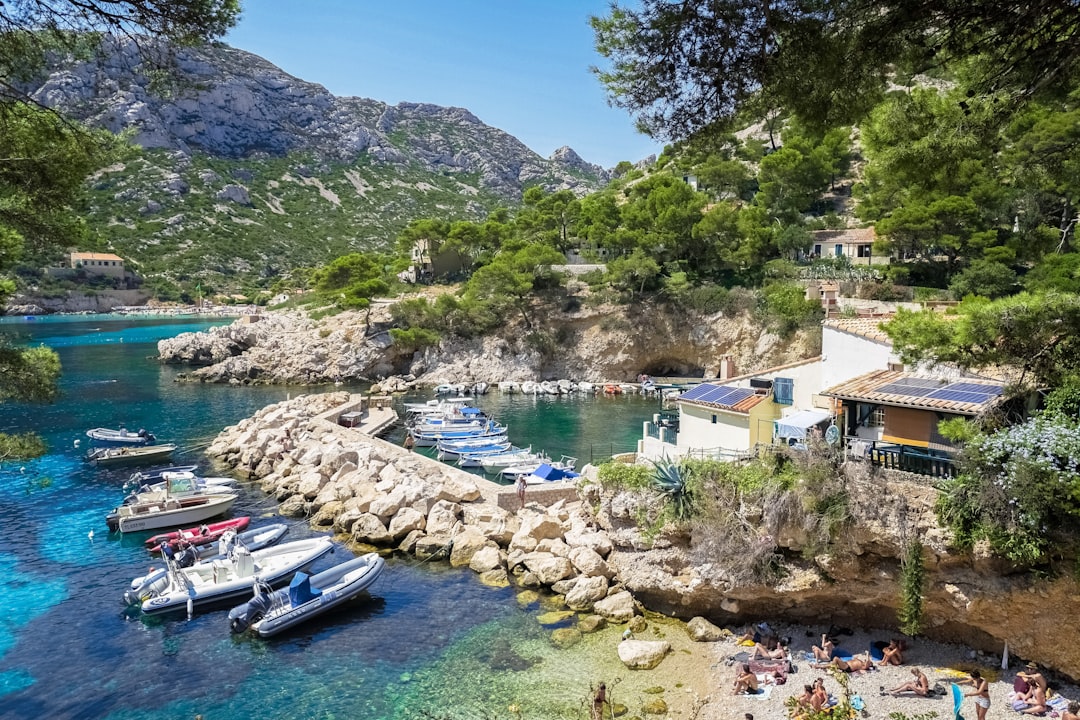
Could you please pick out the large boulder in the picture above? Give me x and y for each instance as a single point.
(369, 529)
(492, 521)
(457, 489)
(618, 607)
(701, 630)
(443, 518)
(466, 544)
(387, 506)
(548, 568)
(586, 592)
(643, 654)
(405, 521)
(485, 559)
(588, 562)
(597, 541)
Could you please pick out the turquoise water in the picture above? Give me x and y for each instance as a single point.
(68, 649)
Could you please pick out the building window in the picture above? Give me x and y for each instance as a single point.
(872, 416)
(817, 250)
(838, 250)
(864, 251)
(713, 419)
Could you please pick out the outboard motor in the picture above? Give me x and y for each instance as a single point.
(243, 616)
(147, 586)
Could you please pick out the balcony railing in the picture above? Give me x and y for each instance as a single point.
(894, 456)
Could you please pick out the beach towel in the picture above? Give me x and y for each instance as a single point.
(746, 643)
(843, 654)
(1058, 703)
(957, 700)
(877, 650)
(764, 691)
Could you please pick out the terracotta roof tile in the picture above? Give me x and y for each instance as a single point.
(869, 328)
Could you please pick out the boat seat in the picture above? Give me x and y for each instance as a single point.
(244, 564)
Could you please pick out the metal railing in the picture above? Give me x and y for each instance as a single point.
(894, 456)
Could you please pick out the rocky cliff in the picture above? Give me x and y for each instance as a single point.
(594, 343)
(247, 168)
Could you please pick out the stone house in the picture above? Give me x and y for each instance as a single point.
(431, 261)
(92, 263)
(856, 244)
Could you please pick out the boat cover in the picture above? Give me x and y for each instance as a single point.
(547, 472)
(300, 590)
(796, 424)
(471, 411)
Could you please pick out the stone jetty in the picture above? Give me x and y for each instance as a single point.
(376, 493)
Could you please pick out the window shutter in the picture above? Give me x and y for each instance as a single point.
(783, 391)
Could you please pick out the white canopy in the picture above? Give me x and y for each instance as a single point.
(796, 424)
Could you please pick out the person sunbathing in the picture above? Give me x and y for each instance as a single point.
(756, 633)
(920, 686)
(827, 650)
(856, 665)
(1073, 713)
(773, 649)
(745, 682)
(891, 654)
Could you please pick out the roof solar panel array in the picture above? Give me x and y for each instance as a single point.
(717, 394)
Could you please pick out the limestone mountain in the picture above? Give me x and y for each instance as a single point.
(246, 171)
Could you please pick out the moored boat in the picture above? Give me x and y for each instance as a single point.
(138, 455)
(182, 483)
(547, 472)
(306, 597)
(225, 579)
(160, 510)
(120, 436)
(198, 535)
(255, 539)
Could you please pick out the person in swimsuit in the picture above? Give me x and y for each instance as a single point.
(827, 649)
(745, 681)
(858, 664)
(981, 693)
(920, 685)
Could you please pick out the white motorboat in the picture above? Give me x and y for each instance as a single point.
(120, 436)
(547, 472)
(162, 510)
(182, 483)
(255, 539)
(269, 613)
(226, 579)
(565, 463)
(496, 463)
(475, 458)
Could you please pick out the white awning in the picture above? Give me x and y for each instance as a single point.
(796, 424)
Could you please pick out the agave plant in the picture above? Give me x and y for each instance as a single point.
(672, 481)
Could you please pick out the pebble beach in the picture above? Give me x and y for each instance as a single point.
(710, 691)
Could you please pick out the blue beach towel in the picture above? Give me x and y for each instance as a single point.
(957, 699)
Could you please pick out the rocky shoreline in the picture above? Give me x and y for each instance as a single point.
(587, 545)
(375, 493)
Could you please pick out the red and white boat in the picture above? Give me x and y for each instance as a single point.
(198, 535)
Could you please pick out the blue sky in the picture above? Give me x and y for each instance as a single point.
(522, 67)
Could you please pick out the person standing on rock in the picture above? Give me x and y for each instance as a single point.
(520, 487)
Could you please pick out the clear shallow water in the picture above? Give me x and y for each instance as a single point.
(430, 639)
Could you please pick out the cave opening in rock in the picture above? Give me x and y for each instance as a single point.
(673, 368)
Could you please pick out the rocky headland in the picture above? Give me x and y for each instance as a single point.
(589, 547)
(607, 343)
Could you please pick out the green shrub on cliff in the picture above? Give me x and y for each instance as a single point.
(1019, 489)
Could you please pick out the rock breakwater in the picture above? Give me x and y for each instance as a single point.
(376, 493)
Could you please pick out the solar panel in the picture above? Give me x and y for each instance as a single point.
(980, 388)
(905, 390)
(920, 382)
(696, 392)
(959, 396)
(712, 395)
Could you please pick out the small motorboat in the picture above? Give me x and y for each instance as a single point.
(155, 475)
(549, 473)
(198, 535)
(186, 482)
(253, 540)
(120, 436)
(566, 463)
(269, 613)
(138, 455)
(452, 452)
(228, 578)
(161, 510)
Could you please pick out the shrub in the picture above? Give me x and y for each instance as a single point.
(622, 476)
